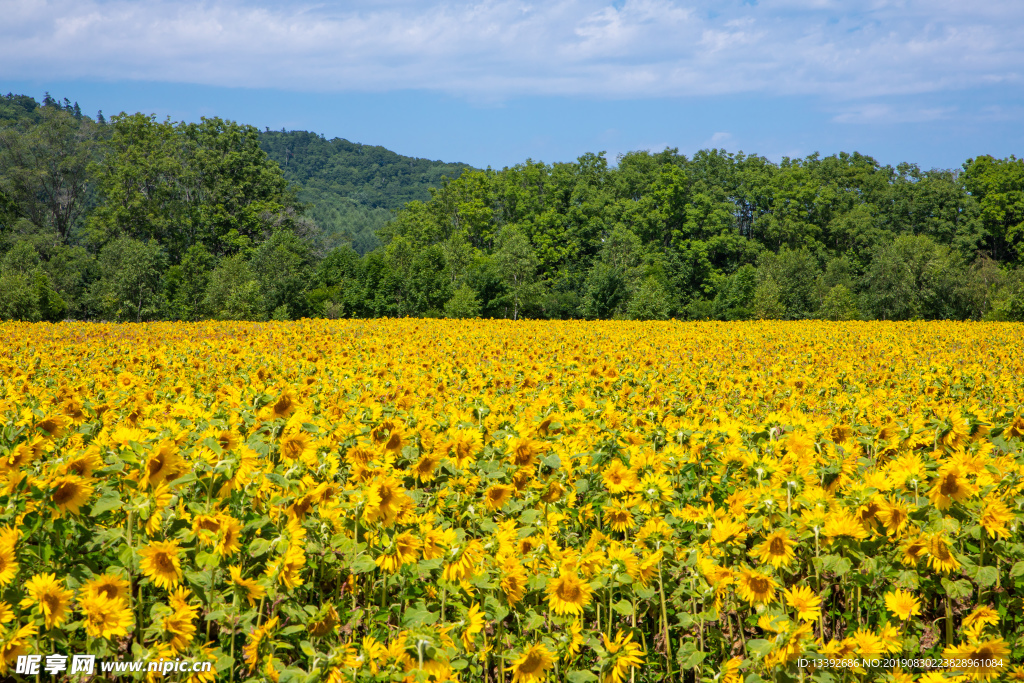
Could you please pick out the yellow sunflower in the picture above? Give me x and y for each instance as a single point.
(568, 594)
(805, 601)
(253, 590)
(404, 550)
(496, 496)
(902, 603)
(532, 665)
(53, 599)
(776, 550)
(940, 555)
(755, 587)
(981, 658)
(623, 655)
(69, 492)
(106, 617)
(8, 564)
(110, 586)
(160, 562)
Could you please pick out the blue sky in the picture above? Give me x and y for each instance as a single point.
(495, 82)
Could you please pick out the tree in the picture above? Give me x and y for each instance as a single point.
(44, 168)
(130, 284)
(463, 304)
(185, 284)
(518, 266)
(840, 304)
(429, 281)
(649, 302)
(203, 183)
(233, 292)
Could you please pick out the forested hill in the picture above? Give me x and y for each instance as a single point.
(137, 219)
(351, 190)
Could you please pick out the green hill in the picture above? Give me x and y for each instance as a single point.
(350, 189)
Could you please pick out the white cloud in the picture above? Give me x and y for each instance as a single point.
(491, 49)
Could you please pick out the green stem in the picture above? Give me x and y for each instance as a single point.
(664, 620)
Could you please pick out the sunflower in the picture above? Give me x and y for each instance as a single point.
(474, 624)
(54, 600)
(553, 493)
(179, 626)
(618, 478)
(404, 550)
(163, 464)
(902, 603)
(982, 615)
(253, 590)
(54, 426)
(525, 451)
(287, 568)
(804, 600)
(110, 586)
(618, 516)
(532, 665)
(106, 617)
(425, 466)
(324, 622)
(567, 594)
(940, 556)
(995, 517)
(296, 445)
(464, 562)
(8, 564)
(496, 496)
(950, 485)
(867, 644)
(755, 587)
(895, 515)
(623, 655)
(843, 524)
(776, 550)
(283, 406)
(83, 464)
(69, 492)
(160, 562)
(14, 644)
(913, 550)
(512, 579)
(385, 500)
(981, 657)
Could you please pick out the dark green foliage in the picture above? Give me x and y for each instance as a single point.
(140, 219)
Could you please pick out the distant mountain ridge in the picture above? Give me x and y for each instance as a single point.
(351, 189)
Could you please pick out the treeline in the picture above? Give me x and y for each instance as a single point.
(137, 219)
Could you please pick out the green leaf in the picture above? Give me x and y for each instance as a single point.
(107, 502)
(307, 648)
(1017, 570)
(986, 576)
(580, 676)
(419, 616)
(623, 607)
(759, 646)
(693, 660)
(361, 565)
(258, 547)
(552, 461)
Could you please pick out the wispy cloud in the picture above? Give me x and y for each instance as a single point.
(491, 49)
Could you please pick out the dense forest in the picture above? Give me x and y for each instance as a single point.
(133, 219)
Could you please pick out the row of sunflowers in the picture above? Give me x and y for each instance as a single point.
(426, 500)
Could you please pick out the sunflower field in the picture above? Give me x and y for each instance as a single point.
(514, 502)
